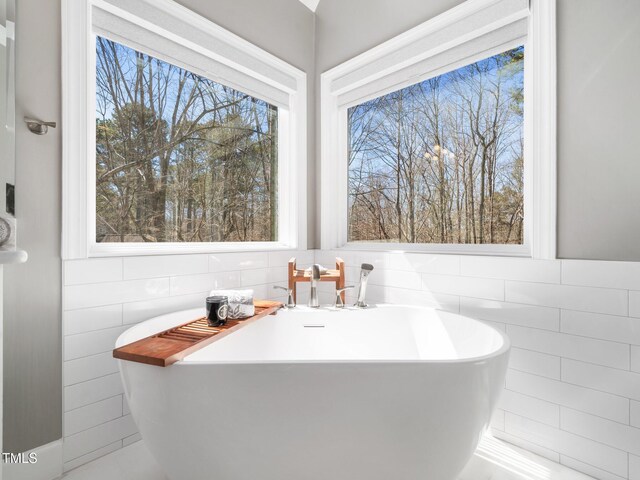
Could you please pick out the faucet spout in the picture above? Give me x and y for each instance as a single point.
(365, 271)
(315, 278)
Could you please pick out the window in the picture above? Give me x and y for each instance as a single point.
(179, 157)
(441, 161)
(442, 139)
(180, 137)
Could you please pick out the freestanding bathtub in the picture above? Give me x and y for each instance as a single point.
(388, 392)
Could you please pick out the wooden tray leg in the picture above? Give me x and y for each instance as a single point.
(340, 283)
(292, 282)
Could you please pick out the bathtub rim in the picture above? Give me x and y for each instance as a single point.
(504, 348)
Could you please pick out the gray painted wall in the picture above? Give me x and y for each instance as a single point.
(346, 28)
(599, 129)
(32, 299)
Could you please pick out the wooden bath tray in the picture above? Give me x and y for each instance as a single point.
(170, 346)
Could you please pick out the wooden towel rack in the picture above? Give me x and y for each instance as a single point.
(336, 276)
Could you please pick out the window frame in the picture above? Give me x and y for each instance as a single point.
(274, 78)
(539, 128)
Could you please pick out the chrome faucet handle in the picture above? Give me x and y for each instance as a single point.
(313, 281)
(339, 302)
(290, 303)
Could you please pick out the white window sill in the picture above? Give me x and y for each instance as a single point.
(441, 249)
(132, 249)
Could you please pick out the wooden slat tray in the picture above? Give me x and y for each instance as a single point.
(170, 346)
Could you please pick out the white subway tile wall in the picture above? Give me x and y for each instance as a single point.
(635, 413)
(588, 469)
(634, 467)
(635, 358)
(573, 385)
(572, 392)
(534, 362)
(634, 304)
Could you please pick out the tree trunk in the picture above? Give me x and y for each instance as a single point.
(273, 173)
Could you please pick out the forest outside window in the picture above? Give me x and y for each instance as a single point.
(180, 157)
(441, 161)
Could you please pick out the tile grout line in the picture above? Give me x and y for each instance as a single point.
(573, 384)
(571, 433)
(93, 403)
(65, 471)
(95, 426)
(100, 425)
(89, 453)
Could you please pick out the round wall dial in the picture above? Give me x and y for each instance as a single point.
(5, 231)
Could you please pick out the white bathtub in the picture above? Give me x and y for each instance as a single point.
(390, 392)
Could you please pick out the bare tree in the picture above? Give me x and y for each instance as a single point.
(441, 161)
(180, 157)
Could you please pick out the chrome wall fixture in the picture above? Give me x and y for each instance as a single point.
(38, 126)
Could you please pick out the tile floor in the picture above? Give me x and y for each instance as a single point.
(494, 460)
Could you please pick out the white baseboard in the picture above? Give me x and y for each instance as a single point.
(48, 466)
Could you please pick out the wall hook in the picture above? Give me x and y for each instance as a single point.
(38, 126)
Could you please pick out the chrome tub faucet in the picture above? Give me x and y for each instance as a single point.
(339, 302)
(290, 303)
(315, 278)
(365, 271)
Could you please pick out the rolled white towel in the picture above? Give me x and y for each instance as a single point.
(240, 302)
(323, 270)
